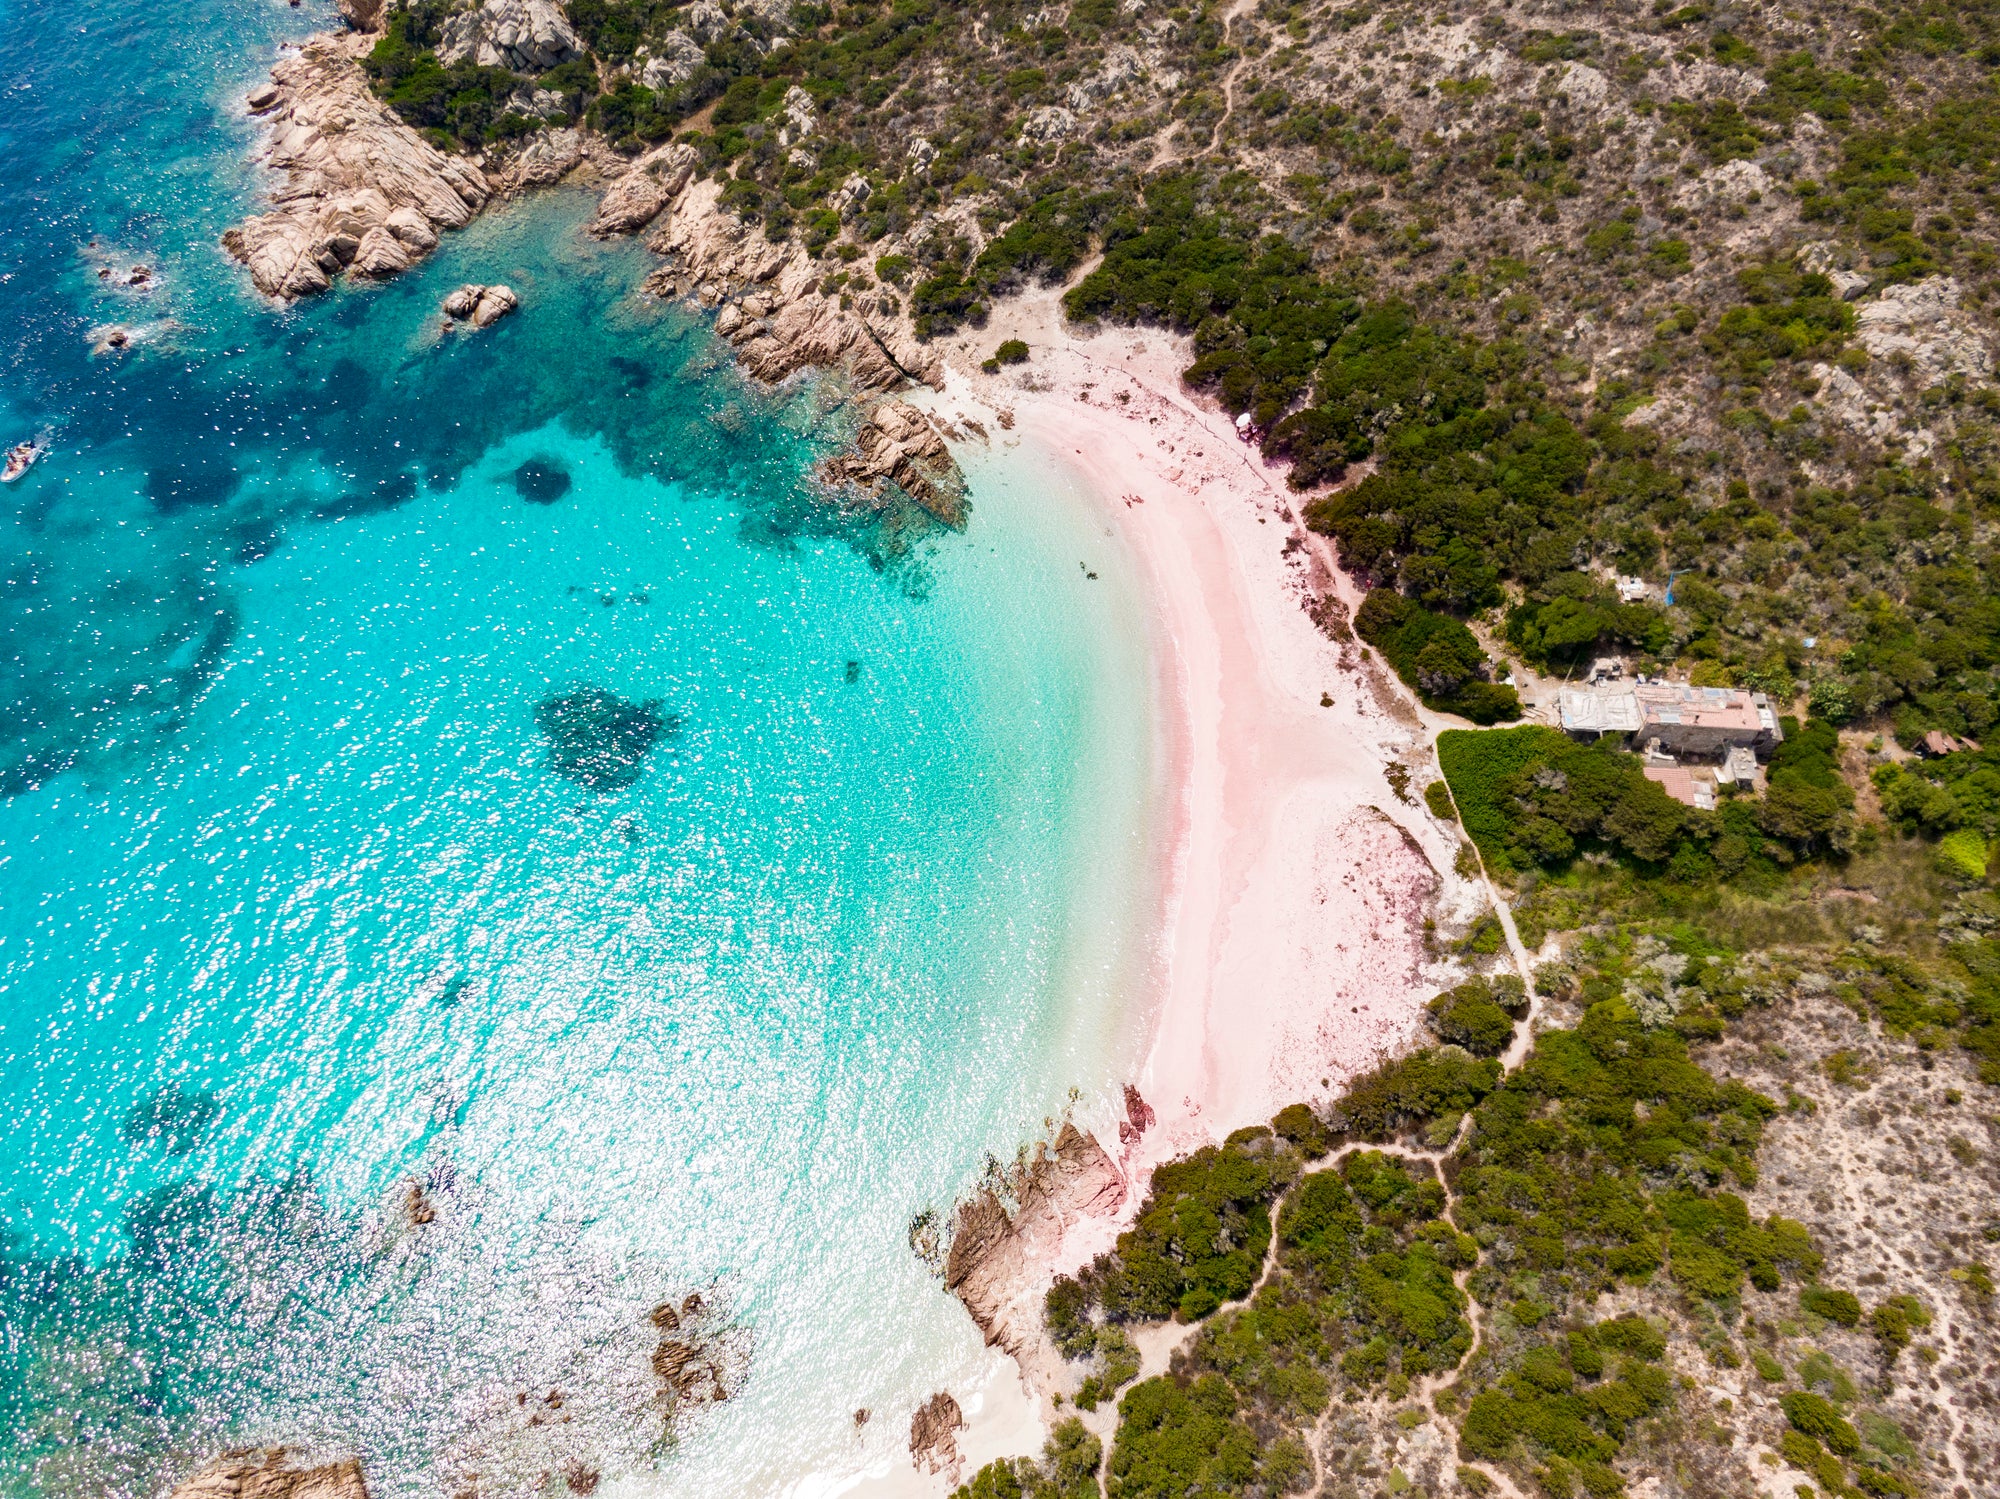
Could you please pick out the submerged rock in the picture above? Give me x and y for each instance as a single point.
(171, 1119)
(541, 482)
(265, 1474)
(599, 740)
(701, 1357)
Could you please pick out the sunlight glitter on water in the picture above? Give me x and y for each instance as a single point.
(311, 917)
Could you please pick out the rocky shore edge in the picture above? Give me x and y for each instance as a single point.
(1009, 1237)
(363, 194)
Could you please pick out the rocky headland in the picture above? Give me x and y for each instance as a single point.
(361, 193)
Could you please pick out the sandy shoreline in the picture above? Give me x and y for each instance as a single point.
(1291, 943)
(1293, 952)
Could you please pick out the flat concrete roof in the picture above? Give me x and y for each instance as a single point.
(1704, 707)
(1684, 785)
(1585, 711)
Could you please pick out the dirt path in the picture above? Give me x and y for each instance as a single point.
(1229, 18)
(1158, 1352)
(1168, 152)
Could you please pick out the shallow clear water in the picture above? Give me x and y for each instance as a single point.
(296, 914)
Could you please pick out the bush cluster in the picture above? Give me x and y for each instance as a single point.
(1532, 798)
(1435, 655)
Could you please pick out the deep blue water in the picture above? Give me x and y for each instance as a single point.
(298, 909)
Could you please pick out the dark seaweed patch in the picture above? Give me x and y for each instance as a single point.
(637, 373)
(386, 494)
(171, 1119)
(598, 740)
(541, 482)
(185, 486)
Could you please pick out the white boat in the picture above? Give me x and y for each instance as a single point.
(21, 457)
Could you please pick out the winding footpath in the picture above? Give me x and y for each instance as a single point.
(1158, 1355)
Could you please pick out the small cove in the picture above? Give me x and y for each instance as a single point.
(302, 908)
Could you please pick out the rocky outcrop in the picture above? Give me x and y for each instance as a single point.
(363, 15)
(1001, 1262)
(1050, 123)
(529, 36)
(784, 319)
(362, 192)
(267, 1474)
(934, 1430)
(701, 1357)
(673, 59)
(773, 306)
(1922, 327)
(547, 158)
(481, 306)
(897, 444)
(635, 198)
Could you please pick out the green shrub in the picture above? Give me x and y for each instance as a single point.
(1806, 1454)
(1963, 851)
(1011, 351)
(1303, 1128)
(1814, 1416)
(1437, 796)
(1471, 1016)
(1067, 1470)
(1894, 1320)
(1836, 1306)
(1632, 1334)
(1177, 1438)
(1436, 656)
(1118, 1366)
(1413, 1090)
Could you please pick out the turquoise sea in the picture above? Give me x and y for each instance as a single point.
(447, 911)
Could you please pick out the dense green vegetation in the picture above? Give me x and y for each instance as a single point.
(462, 104)
(1436, 655)
(1570, 1403)
(1611, 1158)
(1532, 798)
(1067, 1470)
(1955, 796)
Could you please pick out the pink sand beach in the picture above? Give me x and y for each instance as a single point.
(1292, 944)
